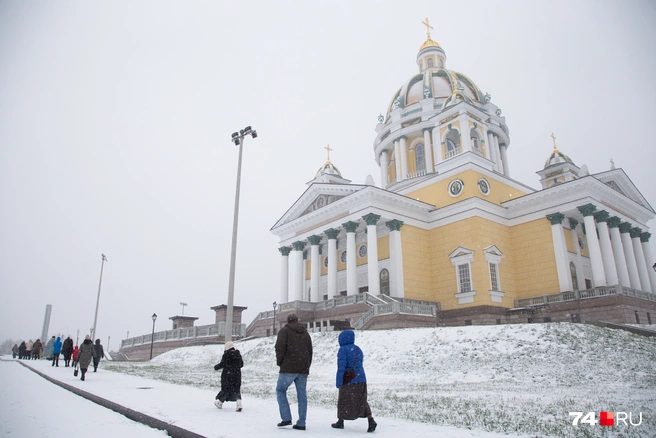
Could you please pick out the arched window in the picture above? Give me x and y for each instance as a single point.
(384, 282)
(575, 278)
(420, 157)
(430, 62)
(475, 141)
(452, 143)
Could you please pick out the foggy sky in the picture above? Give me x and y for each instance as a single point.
(115, 123)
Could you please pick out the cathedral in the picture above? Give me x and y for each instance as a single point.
(450, 238)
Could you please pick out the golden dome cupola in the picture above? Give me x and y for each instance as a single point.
(431, 54)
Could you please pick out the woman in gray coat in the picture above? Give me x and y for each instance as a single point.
(86, 354)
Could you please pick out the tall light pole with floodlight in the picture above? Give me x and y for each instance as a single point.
(152, 336)
(238, 140)
(95, 318)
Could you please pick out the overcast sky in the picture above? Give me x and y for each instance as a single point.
(115, 123)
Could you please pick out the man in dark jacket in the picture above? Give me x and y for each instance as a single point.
(98, 353)
(294, 357)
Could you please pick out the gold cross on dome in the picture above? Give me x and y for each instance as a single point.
(328, 148)
(428, 27)
(554, 140)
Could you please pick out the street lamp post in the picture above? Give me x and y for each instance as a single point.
(152, 336)
(274, 318)
(95, 318)
(238, 140)
(183, 306)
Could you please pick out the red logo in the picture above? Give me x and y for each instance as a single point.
(606, 419)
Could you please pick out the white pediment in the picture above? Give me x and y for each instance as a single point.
(617, 180)
(316, 197)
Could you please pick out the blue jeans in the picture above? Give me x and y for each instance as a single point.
(284, 381)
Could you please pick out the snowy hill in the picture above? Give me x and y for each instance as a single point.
(522, 378)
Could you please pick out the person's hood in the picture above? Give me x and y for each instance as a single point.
(97, 341)
(297, 327)
(87, 341)
(347, 337)
(58, 339)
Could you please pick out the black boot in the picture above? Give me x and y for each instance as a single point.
(372, 424)
(339, 424)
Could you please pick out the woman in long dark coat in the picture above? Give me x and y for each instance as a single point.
(67, 350)
(86, 354)
(231, 362)
(352, 400)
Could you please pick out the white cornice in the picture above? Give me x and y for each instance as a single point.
(562, 196)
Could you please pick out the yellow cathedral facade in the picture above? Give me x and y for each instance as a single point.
(450, 238)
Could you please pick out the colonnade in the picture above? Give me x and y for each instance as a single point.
(619, 253)
(496, 152)
(293, 275)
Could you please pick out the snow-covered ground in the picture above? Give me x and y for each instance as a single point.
(476, 381)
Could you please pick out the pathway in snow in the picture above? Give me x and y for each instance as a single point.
(33, 407)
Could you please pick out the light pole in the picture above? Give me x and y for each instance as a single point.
(152, 336)
(183, 306)
(238, 140)
(274, 318)
(95, 318)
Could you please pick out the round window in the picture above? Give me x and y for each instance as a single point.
(362, 251)
(325, 262)
(455, 187)
(483, 186)
(581, 244)
(342, 256)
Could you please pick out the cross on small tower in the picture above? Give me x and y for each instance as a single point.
(328, 148)
(428, 27)
(554, 140)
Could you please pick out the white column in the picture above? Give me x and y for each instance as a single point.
(372, 253)
(640, 260)
(404, 159)
(634, 278)
(384, 171)
(284, 274)
(618, 253)
(332, 261)
(315, 268)
(649, 259)
(465, 139)
(580, 277)
(606, 250)
(504, 159)
(297, 271)
(493, 151)
(428, 150)
(396, 259)
(598, 273)
(351, 277)
(437, 147)
(397, 158)
(560, 252)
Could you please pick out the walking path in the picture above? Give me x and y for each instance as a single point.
(32, 406)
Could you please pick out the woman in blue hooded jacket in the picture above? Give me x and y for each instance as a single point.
(56, 350)
(352, 400)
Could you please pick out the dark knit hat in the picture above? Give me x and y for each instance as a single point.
(292, 317)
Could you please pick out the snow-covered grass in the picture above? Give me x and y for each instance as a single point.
(523, 378)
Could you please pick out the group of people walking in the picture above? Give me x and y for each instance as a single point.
(294, 357)
(83, 356)
(28, 350)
